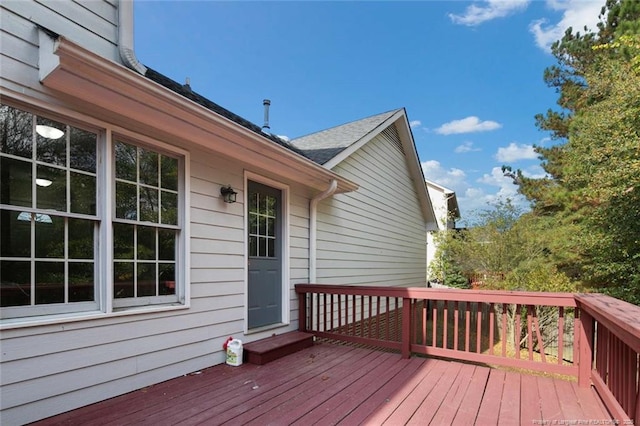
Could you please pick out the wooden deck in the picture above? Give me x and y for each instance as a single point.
(339, 384)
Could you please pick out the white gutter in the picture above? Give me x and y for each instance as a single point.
(125, 37)
(313, 227)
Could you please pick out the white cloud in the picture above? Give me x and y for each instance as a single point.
(415, 123)
(515, 152)
(453, 178)
(488, 10)
(575, 14)
(467, 125)
(466, 147)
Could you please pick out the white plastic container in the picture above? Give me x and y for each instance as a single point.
(234, 352)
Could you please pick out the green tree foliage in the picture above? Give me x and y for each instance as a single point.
(591, 194)
(505, 249)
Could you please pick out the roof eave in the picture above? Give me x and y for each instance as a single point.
(100, 84)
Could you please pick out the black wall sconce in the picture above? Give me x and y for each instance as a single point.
(228, 194)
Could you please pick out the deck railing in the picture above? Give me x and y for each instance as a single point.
(591, 337)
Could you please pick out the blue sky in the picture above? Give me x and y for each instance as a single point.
(468, 73)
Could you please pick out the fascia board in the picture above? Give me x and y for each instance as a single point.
(112, 87)
(415, 169)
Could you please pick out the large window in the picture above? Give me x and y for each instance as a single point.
(52, 214)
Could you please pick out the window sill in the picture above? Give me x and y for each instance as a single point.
(37, 321)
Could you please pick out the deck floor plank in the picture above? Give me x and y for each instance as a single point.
(340, 384)
(489, 411)
(454, 398)
(343, 403)
(510, 405)
(276, 388)
(305, 403)
(381, 396)
(407, 408)
(241, 389)
(530, 410)
(549, 404)
(468, 411)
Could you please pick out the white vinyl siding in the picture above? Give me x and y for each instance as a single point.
(375, 235)
(92, 24)
(58, 367)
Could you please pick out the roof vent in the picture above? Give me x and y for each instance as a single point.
(265, 126)
(187, 84)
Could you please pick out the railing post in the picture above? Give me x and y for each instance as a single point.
(585, 342)
(302, 312)
(406, 328)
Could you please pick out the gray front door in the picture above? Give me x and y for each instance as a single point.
(265, 255)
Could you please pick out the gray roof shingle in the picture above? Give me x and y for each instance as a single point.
(186, 91)
(324, 145)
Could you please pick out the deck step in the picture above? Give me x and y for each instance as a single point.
(271, 348)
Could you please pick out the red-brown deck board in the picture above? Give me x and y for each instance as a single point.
(339, 384)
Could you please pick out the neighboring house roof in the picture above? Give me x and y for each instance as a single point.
(330, 147)
(326, 144)
(452, 199)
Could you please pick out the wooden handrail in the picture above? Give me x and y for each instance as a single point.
(606, 341)
(461, 295)
(614, 332)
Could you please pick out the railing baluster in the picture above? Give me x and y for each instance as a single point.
(530, 331)
(504, 329)
(434, 325)
(455, 325)
(560, 334)
(517, 331)
(491, 329)
(353, 307)
(377, 317)
(387, 319)
(467, 326)
(478, 329)
(445, 325)
(425, 307)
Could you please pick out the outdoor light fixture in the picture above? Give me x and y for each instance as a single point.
(228, 194)
(49, 132)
